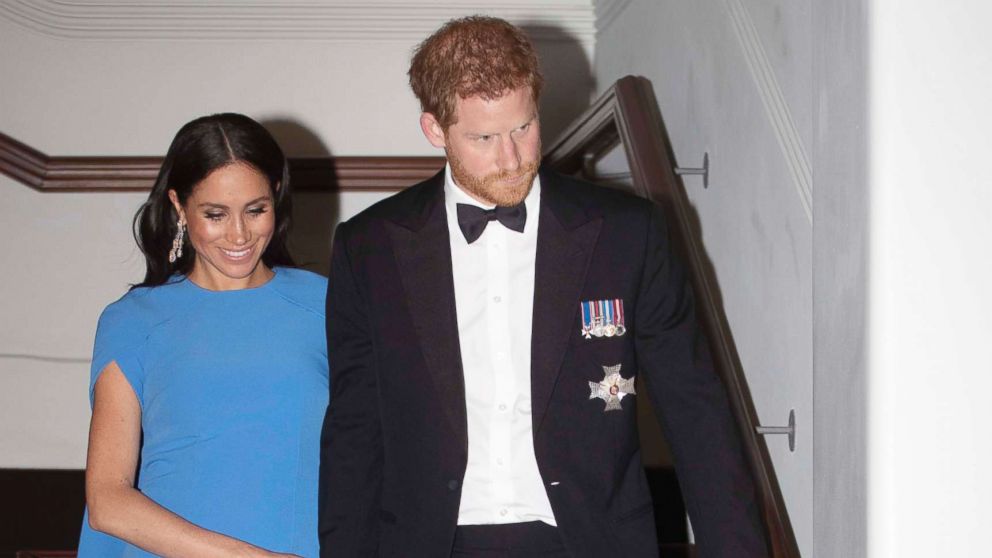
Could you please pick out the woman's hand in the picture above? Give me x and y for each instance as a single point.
(256, 552)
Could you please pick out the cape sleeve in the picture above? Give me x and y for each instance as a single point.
(121, 336)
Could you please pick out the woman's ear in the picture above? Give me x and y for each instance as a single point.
(174, 198)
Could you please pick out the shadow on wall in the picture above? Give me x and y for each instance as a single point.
(568, 80)
(569, 83)
(315, 213)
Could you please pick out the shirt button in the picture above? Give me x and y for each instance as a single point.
(503, 512)
(502, 406)
(499, 460)
(497, 299)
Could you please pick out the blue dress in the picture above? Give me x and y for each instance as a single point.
(233, 386)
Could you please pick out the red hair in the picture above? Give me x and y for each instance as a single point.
(472, 56)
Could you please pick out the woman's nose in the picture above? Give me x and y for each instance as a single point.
(238, 232)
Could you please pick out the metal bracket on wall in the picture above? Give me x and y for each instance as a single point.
(703, 170)
(790, 430)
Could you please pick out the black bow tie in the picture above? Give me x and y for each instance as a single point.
(472, 220)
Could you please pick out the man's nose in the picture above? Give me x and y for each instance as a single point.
(509, 155)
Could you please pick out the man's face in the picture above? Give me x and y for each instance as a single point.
(494, 146)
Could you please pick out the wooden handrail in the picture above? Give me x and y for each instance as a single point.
(627, 114)
(136, 174)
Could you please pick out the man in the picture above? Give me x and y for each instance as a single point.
(484, 331)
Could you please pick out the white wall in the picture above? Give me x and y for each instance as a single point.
(840, 264)
(732, 78)
(892, 102)
(120, 78)
(930, 310)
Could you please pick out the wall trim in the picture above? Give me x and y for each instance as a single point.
(772, 97)
(330, 20)
(43, 173)
(43, 510)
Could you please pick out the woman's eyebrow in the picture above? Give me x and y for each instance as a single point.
(222, 206)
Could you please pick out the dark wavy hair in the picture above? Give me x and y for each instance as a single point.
(199, 148)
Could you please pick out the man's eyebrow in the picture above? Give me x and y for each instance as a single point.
(521, 125)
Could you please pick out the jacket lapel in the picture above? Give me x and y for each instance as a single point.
(423, 256)
(566, 237)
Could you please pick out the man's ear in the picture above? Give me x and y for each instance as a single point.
(432, 130)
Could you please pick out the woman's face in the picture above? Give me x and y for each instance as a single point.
(230, 219)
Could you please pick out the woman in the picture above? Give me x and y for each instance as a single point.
(209, 378)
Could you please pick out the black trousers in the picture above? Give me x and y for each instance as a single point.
(533, 539)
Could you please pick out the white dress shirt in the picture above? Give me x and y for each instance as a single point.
(494, 302)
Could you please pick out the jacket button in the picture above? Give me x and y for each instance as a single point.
(452, 485)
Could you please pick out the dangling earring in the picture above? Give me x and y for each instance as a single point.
(177, 242)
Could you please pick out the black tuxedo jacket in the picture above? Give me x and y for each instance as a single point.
(394, 442)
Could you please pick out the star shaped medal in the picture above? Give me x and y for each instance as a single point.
(613, 388)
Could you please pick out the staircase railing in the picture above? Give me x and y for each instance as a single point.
(627, 115)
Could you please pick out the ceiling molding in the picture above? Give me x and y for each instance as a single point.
(607, 11)
(330, 20)
(33, 168)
